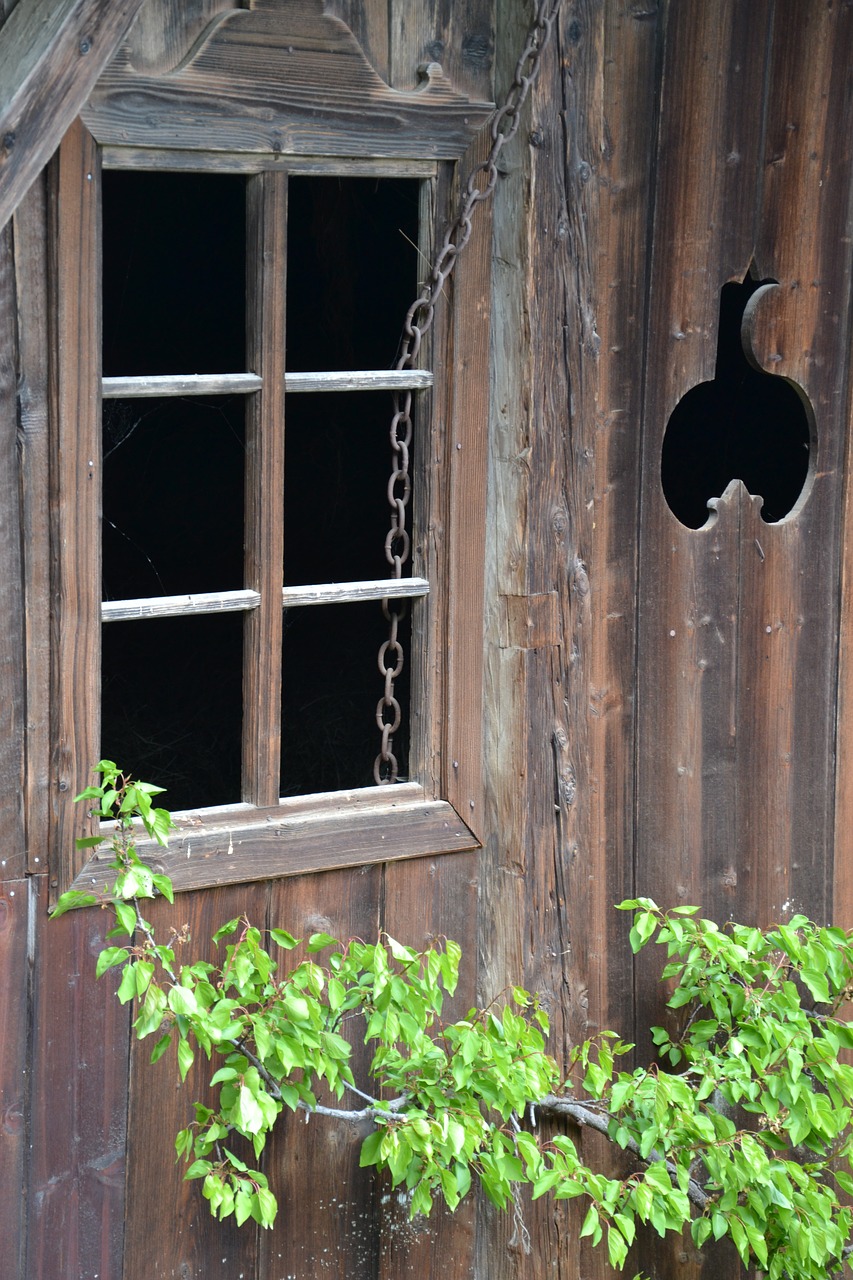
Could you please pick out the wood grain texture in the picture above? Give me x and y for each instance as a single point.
(459, 37)
(432, 898)
(140, 157)
(791, 599)
(272, 846)
(281, 78)
(30, 242)
(51, 54)
(14, 1025)
(266, 240)
(465, 496)
(327, 1222)
(569, 266)
(169, 1230)
(75, 379)
(12, 705)
(165, 31)
(77, 1103)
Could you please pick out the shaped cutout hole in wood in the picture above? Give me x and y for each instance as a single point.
(744, 425)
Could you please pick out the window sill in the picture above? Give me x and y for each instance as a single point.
(302, 835)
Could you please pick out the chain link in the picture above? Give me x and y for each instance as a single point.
(480, 185)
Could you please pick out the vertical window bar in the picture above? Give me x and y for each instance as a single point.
(266, 233)
(76, 479)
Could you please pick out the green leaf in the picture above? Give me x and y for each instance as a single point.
(284, 939)
(371, 1149)
(182, 1000)
(247, 1115)
(161, 1046)
(185, 1057)
(318, 941)
(163, 885)
(109, 957)
(126, 917)
(71, 900)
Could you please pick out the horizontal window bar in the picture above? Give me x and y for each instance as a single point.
(179, 606)
(212, 384)
(353, 592)
(360, 380)
(188, 384)
(235, 601)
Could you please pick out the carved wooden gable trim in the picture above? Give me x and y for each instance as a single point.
(280, 78)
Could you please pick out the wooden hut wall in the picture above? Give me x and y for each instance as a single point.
(667, 709)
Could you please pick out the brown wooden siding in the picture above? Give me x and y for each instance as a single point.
(666, 147)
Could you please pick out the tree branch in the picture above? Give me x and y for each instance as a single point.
(584, 1115)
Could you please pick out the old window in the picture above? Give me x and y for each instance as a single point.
(221, 468)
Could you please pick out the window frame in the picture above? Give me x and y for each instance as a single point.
(441, 811)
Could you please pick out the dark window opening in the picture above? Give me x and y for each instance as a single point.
(174, 273)
(330, 688)
(173, 475)
(172, 705)
(352, 270)
(746, 424)
(173, 496)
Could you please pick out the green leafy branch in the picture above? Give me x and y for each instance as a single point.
(740, 1129)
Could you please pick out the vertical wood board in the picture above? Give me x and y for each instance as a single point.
(264, 487)
(75, 379)
(77, 1103)
(327, 1217)
(14, 1071)
(12, 841)
(30, 236)
(169, 1229)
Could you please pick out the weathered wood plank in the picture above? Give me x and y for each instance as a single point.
(790, 598)
(165, 31)
(236, 601)
(169, 1230)
(266, 239)
(14, 1027)
(570, 263)
(707, 174)
(205, 384)
(78, 1102)
(352, 592)
(459, 37)
(281, 78)
(51, 54)
(426, 899)
(191, 384)
(76, 478)
(244, 851)
(368, 380)
(327, 1221)
(30, 241)
(12, 705)
(370, 22)
(141, 157)
(467, 451)
(179, 606)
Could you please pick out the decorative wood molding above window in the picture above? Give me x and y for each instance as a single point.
(280, 78)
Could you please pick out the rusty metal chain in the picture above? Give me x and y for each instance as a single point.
(480, 185)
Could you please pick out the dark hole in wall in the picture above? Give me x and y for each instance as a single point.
(745, 424)
(174, 302)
